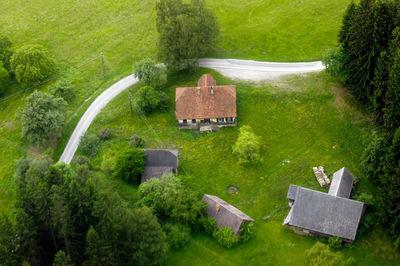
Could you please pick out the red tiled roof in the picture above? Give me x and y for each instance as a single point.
(205, 101)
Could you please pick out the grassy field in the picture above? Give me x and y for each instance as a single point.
(307, 120)
(76, 32)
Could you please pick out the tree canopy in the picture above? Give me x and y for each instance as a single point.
(169, 197)
(368, 59)
(150, 73)
(30, 64)
(61, 219)
(320, 254)
(187, 32)
(247, 146)
(5, 51)
(148, 99)
(4, 77)
(63, 89)
(130, 165)
(42, 116)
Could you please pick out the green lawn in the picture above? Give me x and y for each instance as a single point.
(75, 32)
(300, 119)
(304, 119)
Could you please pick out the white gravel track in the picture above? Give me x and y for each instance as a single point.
(233, 68)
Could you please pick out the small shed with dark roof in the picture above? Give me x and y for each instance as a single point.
(225, 214)
(159, 163)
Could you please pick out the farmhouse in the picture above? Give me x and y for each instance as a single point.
(206, 104)
(159, 163)
(225, 214)
(327, 214)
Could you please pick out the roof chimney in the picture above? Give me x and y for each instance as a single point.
(198, 91)
(212, 90)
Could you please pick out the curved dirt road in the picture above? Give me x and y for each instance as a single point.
(236, 69)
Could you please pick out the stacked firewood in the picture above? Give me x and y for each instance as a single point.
(322, 178)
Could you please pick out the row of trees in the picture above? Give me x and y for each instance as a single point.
(28, 64)
(367, 61)
(59, 217)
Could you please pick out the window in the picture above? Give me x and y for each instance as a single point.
(184, 121)
(220, 119)
(193, 121)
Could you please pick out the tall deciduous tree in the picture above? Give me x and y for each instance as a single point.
(42, 116)
(30, 64)
(187, 32)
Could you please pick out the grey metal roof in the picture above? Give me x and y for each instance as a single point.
(292, 192)
(325, 214)
(342, 184)
(159, 163)
(167, 158)
(225, 214)
(156, 172)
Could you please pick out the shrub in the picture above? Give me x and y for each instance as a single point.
(225, 237)
(335, 62)
(246, 232)
(81, 160)
(320, 254)
(4, 77)
(373, 158)
(247, 146)
(335, 243)
(150, 73)
(168, 197)
(147, 99)
(89, 144)
(369, 219)
(136, 142)
(105, 134)
(5, 51)
(61, 259)
(177, 234)
(208, 224)
(397, 242)
(130, 165)
(31, 63)
(63, 89)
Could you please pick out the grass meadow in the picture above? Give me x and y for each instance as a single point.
(76, 32)
(307, 120)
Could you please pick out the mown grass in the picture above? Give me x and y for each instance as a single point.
(76, 32)
(304, 119)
